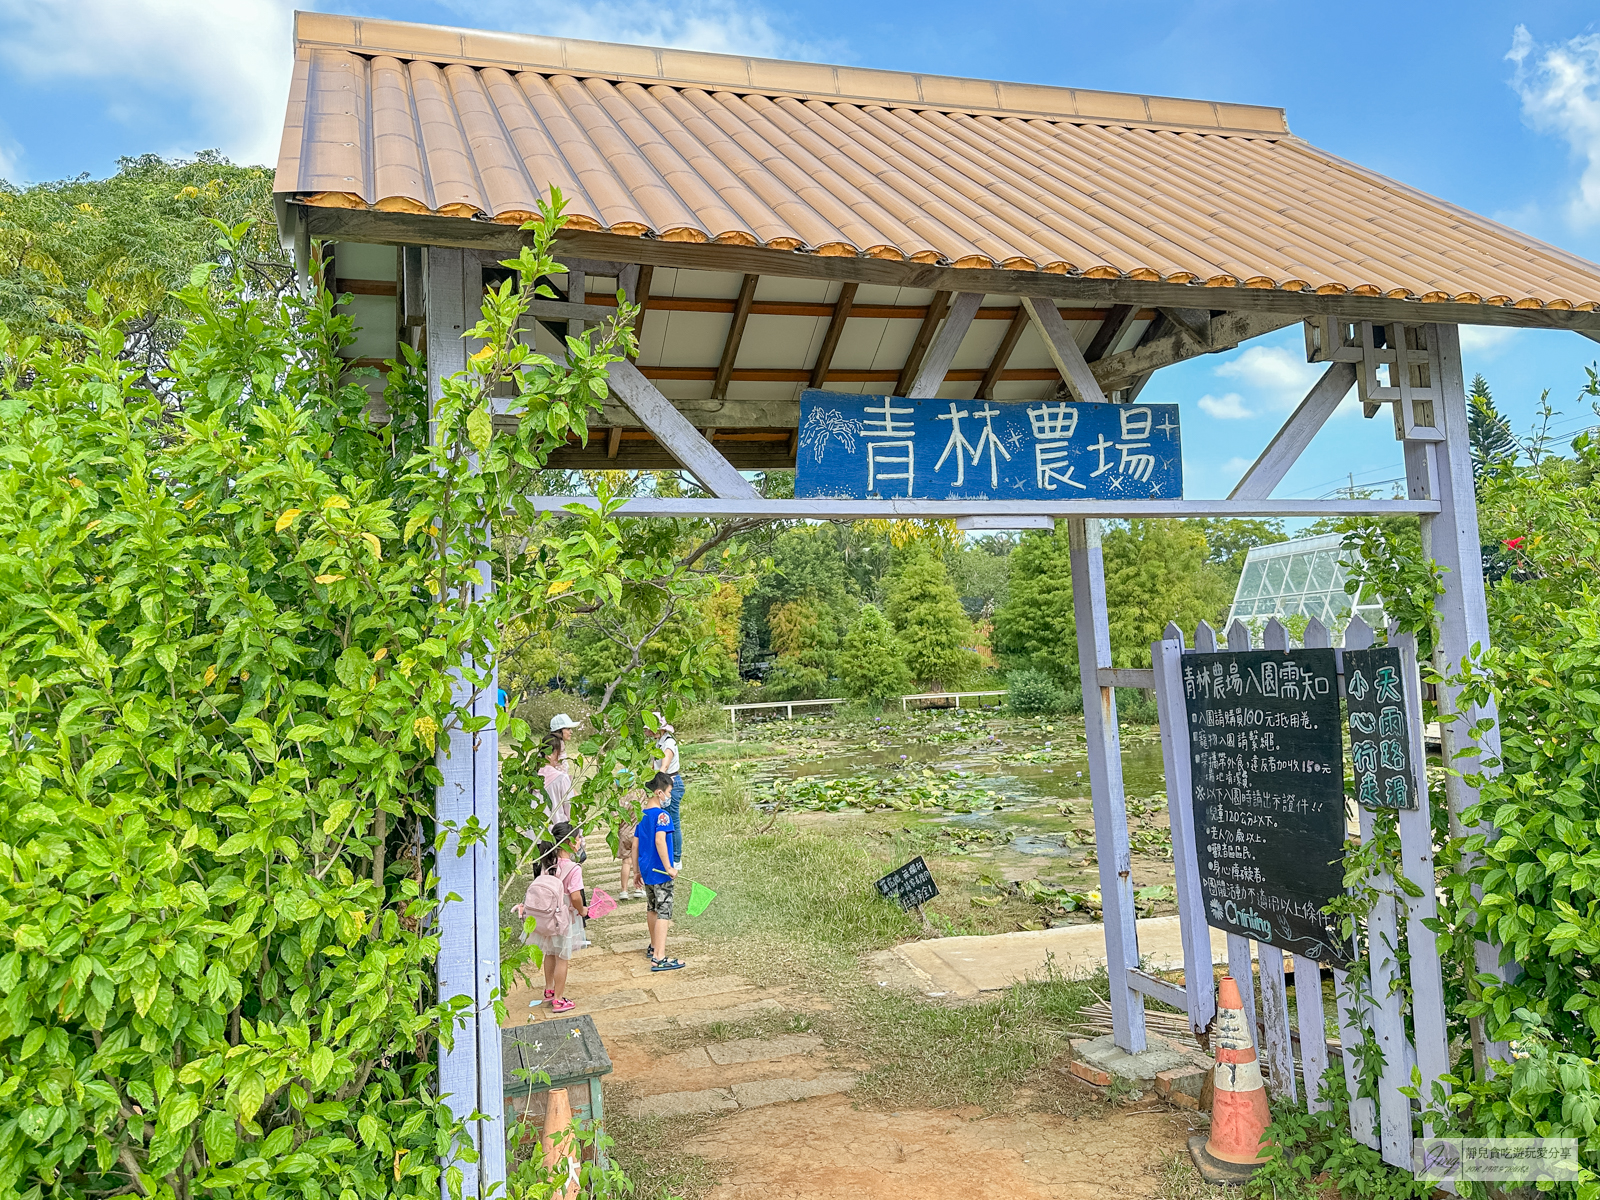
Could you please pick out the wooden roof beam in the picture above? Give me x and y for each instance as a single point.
(919, 347)
(1008, 344)
(1225, 332)
(1064, 352)
(674, 431)
(1113, 326)
(936, 362)
(730, 348)
(830, 340)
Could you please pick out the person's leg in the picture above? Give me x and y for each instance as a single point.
(559, 981)
(550, 961)
(658, 937)
(658, 932)
(675, 807)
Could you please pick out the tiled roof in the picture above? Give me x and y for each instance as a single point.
(839, 161)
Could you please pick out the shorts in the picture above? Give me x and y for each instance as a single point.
(658, 899)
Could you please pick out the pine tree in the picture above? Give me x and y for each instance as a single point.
(807, 643)
(871, 666)
(933, 627)
(1488, 433)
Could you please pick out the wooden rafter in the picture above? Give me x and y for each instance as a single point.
(1226, 332)
(1112, 328)
(997, 364)
(1064, 351)
(730, 348)
(641, 297)
(935, 365)
(830, 340)
(919, 347)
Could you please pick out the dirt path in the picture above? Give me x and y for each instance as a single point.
(781, 1120)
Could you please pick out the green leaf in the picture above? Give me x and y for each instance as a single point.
(179, 1109)
(220, 1136)
(321, 1063)
(480, 428)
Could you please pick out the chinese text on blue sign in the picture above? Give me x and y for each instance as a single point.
(1267, 766)
(1380, 734)
(887, 447)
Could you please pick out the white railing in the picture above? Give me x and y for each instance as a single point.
(789, 705)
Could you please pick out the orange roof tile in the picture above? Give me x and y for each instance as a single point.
(694, 147)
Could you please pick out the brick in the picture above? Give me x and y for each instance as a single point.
(1182, 1085)
(1089, 1074)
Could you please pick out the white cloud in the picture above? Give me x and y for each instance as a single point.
(1281, 376)
(1486, 341)
(1235, 467)
(1225, 408)
(722, 26)
(228, 63)
(1559, 85)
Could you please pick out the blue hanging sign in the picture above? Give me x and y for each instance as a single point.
(890, 448)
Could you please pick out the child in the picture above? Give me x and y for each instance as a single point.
(652, 855)
(627, 826)
(556, 933)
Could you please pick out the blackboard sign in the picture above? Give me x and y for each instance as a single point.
(1267, 760)
(1380, 733)
(910, 884)
(891, 447)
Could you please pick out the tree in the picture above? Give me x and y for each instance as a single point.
(239, 627)
(927, 614)
(1034, 627)
(871, 666)
(806, 639)
(1488, 433)
(980, 570)
(134, 239)
(1156, 572)
(1230, 539)
(807, 564)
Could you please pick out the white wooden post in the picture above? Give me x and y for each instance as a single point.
(1105, 783)
(1200, 993)
(1239, 955)
(469, 923)
(1383, 971)
(1443, 471)
(1308, 973)
(1416, 859)
(1277, 1040)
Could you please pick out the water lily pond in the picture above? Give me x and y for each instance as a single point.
(1010, 794)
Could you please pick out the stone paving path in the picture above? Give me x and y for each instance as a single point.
(612, 981)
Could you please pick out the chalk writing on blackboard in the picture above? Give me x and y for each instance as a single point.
(912, 885)
(891, 447)
(1380, 728)
(1267, 767)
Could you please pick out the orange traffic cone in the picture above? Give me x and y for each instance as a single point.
(557, 1143)
(1239, 1113)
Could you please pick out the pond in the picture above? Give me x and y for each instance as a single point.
(1010, 790)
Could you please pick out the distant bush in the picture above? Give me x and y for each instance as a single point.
(1033, 691)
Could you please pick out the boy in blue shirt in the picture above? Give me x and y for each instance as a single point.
(652, 862)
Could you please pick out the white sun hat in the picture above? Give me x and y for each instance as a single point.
(561, 721)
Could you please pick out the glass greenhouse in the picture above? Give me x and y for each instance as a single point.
(1302, 577)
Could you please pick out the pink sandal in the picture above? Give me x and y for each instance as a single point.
(562, 1005)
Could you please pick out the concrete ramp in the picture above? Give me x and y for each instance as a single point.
(963, 967)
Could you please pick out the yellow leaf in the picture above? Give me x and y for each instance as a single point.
(245, 675)
(398, 1155)
(425, 728)
(559, 586)
(486, 352)
(75, 482)
(382, 652)
(335, 502)
(329, 578)
(372, 540)
(190, 503)
(92, 524)
(287, 519)
(211, 673)
(433, 531)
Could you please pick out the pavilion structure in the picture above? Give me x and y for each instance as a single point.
(789, 225)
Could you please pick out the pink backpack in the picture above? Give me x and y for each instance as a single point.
(546, 902)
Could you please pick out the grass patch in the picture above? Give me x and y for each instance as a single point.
(651, 1151)
(796, 905)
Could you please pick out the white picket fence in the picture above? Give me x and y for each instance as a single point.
(1385, 1125)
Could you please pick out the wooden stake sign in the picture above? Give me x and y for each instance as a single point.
(912, 885)
(1267, 762)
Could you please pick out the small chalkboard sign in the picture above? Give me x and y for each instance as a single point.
(1380, 729)
(1267, 765)
(911, 884)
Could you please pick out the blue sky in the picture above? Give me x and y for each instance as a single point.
(1495, 106)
